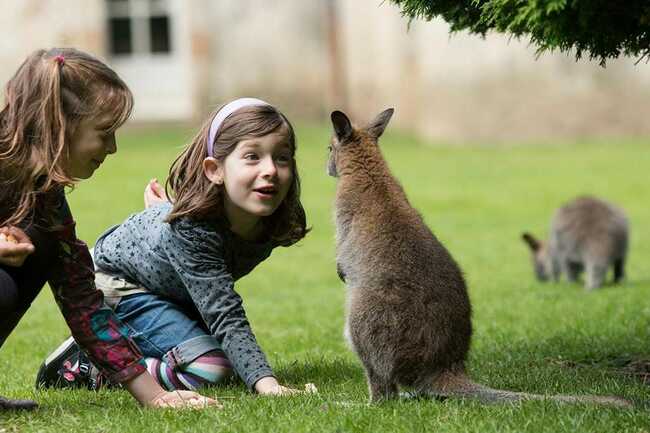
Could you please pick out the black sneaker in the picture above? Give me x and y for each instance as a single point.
(69, 367)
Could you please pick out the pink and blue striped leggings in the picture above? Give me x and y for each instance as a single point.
(208, 369)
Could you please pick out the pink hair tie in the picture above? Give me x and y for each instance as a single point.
(60, 60)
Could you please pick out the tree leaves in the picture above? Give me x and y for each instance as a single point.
(597, 29)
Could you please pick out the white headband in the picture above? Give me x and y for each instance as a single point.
(226, 111)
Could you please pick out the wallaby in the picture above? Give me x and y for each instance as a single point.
(586, 234)
(408, 311)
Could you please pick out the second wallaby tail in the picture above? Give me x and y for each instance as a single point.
(451, 384)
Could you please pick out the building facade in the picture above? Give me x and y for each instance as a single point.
(183, 58)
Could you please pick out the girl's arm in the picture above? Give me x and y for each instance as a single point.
(93, 325)
(154, 194)
(197, 254)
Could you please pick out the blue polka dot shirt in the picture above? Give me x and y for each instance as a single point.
(193, 264)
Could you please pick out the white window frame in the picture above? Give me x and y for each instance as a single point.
(139, 12)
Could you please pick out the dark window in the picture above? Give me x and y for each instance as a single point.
(159, 34)
(120, 35)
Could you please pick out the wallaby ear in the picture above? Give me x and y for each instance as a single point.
(533, 243)
(377, 126)
(342, 125)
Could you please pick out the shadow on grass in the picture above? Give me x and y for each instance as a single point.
(330, 371)
(632, 366)
(596, 355)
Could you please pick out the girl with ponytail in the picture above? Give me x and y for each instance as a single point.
(57, 125)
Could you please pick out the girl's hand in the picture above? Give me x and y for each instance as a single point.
(183, 399)
(269, 386)
(148, 392)
(154, 194)
(15, 246)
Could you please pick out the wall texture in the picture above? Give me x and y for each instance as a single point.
(462, 87)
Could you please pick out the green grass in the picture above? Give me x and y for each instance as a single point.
(528, 336)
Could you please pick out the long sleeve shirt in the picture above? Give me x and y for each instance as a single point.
(194, 264)
(72, 280)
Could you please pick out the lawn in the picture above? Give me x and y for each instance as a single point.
(529, 336)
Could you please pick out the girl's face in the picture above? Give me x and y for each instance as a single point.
(256, 176)
(89, 147)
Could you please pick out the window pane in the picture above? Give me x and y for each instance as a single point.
(159, 28)
(120, 35)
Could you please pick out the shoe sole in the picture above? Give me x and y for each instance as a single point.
(63, 351)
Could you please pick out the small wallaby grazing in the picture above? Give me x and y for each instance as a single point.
(586, 234)
(408, 315)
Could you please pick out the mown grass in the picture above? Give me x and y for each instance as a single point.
(543, 338)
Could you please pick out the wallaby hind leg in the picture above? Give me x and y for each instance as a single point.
(380, 388)
(572, 270)
(619, 270)
(556, 270)
(596, 273)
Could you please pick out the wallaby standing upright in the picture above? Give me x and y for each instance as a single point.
(408, 315)
(586, 234)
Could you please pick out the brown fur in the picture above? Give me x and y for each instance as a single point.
(586, 234)
(408, 315)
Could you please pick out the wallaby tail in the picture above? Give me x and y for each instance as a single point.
(458, 384)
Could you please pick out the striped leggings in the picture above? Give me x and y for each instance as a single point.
(208, 369)
(179, 351)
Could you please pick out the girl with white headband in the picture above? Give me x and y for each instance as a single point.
(169, 271)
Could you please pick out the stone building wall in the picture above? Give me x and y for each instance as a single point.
(362, 59)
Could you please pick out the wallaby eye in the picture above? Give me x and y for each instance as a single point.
(329, 148)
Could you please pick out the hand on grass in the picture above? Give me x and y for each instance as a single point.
(269, 386)
(183, 400)
(154, 194)
(15, 246)
(149, 393)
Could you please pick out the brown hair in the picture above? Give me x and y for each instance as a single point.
(198, 198)
(49, 95)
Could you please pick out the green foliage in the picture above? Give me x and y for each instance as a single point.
(600, 29)
(544, 338)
